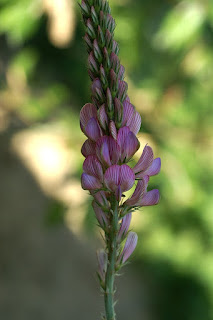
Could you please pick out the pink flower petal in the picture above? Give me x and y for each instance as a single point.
(127, 178)
(87, 112)
(135, 123)
(88, 148)
(108, 151)
(129, 247)
(124, 227)
(122, 135)
(93, 167)
(112, 177)
(89, 182)
(131, 145)
(112, 129)
(128, 113)
(101, 199)
(150, 198)
(145, 160)
(139, 192)
(100, 215)
(92, 130)
(154, 168)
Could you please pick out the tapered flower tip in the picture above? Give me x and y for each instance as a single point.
(100, 215)
(112, 129)
(150, 198)
(130, 245)
(139, 192)
(145, 160)
(124, 227)
(93, 130)
(89, 182)
(101, 199)
(102, 264)
(96, 84)
(154, 168)
(88, 148)
(119, 179)
(102, 117)
(93, 167)
(108, 151)
(87, 112)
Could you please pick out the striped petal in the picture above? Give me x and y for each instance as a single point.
(145, 160)
(87, 112)
(131, 145)
(112, 177)
(127, 178)
(100, 215)
(139, 192)
(128, 113)
(135, 123)
(154, 168)
(130, 245)
(93, 167)
(88, 148)
(108, 151)
(89, 182)
(124, 227)
(112, 129)
(92, 130)
(150, 198)
(102, 117)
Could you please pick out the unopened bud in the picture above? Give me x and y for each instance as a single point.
(110, 23)
(113, 82)
(103, 77)
(118, 112)
(97, 51)
(109, 39)
(97, 91)
(102, 20)
(92, 63)
(110, 106)
(122, 90)
(102, 117)
(105, 7)
(115, 63)
(121, 72)
(107, 63)
(115, 47)
(94, 16)
(90, 29)
(101, 38)
(112, 129)
(88, 42)
(85, 9)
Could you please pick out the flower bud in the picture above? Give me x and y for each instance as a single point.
(102, 20)
(110, 106)
(115, 63)
(102, 266)
(112, 129)
(94, 16)
(97, 91)
(105, 6)
(118, 112)
(103, 76)
(100, 216)
(101, 38)
(90, 30)
(92, 63)
(85, 9)
(122, 90)
(97, 51)
(113, 82)
(115, 47)
(124, 227)
(107, 62)
(88, 43)
(110, 23)
(129, 247)
(102, 117)
(109, 39)
(121, 72)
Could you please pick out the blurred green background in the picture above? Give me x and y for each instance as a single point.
(48, 232)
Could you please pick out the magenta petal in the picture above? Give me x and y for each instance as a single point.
(108, 151)
(122, 135)
(145, 160)
(129, 247)
(93, 167)
(87, 112)
(124, 226)
(89, 182)
(135, 123)
(92, 130)
(88, 148)
(112, 177)
(128, 113)
(127, 178)
(150, 198)
(105, 155)
(154, 168)
(131, 145)
(100, 215)
(101, 199)
(139, 192)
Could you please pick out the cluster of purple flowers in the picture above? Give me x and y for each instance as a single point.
(111, 125)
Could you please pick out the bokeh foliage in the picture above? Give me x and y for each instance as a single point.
(167, 49)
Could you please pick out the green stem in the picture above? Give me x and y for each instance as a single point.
(110, 274)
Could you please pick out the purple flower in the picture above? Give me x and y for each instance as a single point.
(119, 179)
(131, 118)
(147, 165)
(92, 178)
(129, 247)
(88, 148)
(128, 143)
(124, 227)
(108, 151)
(101, 199)
(100, 215)
(102, 117)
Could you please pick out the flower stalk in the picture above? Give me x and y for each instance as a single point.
(111, 124)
